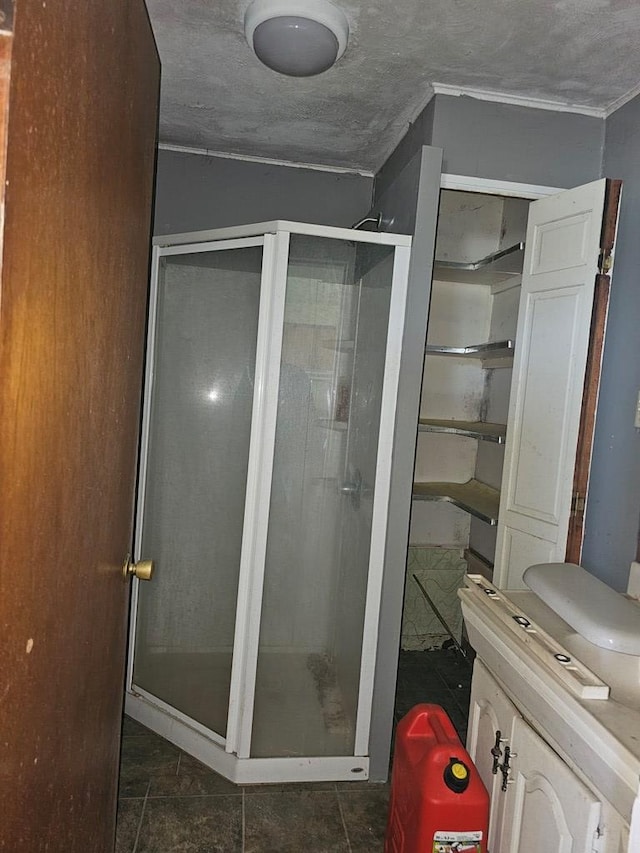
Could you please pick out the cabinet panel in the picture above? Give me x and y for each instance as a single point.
(520, 550)
(547, 808)
(560, 245)
(554, 321)
(491, 719)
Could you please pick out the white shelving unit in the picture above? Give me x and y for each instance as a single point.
(463, 419)
(538, 322)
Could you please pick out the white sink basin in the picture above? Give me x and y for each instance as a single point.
(598, 613)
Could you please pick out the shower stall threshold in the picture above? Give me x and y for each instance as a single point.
(203, 745)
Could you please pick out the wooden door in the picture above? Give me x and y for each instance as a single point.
(83, 95)
(560, 268)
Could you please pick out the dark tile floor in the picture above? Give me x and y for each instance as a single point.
(441, 676)
(170, 803)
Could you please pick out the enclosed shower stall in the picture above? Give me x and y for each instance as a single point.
(272, 374)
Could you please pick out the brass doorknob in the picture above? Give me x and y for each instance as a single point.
(143, 569)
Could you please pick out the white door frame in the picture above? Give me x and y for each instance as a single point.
(489, 186)
(209, 746)
(381, 496)
(256, 520)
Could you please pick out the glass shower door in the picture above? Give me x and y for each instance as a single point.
(321, 516)
(202, 368)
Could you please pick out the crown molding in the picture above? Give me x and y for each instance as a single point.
(622, 100)
(518, 100)
(267, 161)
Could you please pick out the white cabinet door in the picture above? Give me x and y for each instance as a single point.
(545, 807)
(614, 831)
(552, 341)
(548, 808)
(491, 720)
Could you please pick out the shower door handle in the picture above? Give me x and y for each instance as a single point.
(350, 489)
(353, 489)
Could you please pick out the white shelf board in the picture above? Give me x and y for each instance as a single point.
(492, 269)
(474, 497)
(473, 429)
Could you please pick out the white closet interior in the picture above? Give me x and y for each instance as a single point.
(465, 401)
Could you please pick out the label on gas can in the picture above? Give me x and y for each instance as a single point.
(458, 842)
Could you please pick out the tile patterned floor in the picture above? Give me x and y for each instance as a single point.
(170, 803)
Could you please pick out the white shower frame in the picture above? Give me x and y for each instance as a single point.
(230, 755)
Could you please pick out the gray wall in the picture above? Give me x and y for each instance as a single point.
(613, 509)
(511, 143)
(503, 142)
(409, 203)
(418, 134)
(196, 192)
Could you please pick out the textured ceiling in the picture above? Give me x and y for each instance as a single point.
(216, 95)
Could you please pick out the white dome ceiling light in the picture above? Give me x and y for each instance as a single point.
(299, 38)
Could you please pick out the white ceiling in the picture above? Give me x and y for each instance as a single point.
(216, 95)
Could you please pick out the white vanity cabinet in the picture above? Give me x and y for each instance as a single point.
(555, 721)
(537, 801)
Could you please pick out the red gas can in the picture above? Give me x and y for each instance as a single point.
(438, 802)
